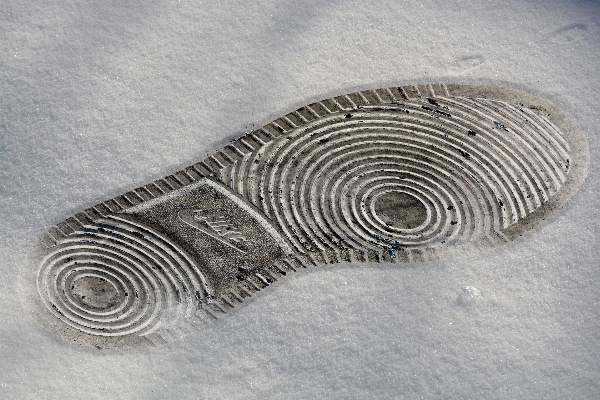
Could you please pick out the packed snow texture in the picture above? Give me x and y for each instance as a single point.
(100, 97)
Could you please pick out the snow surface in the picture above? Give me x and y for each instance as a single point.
(97, 98)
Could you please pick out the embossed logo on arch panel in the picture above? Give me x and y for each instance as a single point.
(222, 232)
(216, 226)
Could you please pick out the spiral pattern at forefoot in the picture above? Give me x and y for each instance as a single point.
(118, 277)
(418, 176)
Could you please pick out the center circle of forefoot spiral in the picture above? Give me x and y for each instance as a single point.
(400, 210)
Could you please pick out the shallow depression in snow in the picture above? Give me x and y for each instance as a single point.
(100, 98)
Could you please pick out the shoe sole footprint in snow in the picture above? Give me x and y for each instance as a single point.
(400, 174)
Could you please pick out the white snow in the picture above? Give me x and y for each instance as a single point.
(97, 98)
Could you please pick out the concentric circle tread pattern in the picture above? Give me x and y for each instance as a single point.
(154, 283)
(478, 165)
(398, 174)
